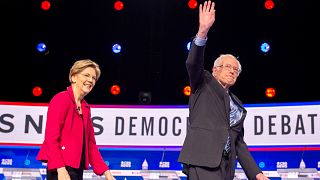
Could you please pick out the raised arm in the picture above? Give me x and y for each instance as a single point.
(195, 58)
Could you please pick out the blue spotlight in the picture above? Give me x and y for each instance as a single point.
(265, 47)
(108, 163)
(116, 48)
(189, 45)
(41, 47)
(27, 162)
(262, 164)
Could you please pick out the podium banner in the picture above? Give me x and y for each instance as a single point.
(265, 125)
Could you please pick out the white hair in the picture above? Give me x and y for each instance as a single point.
(218, 61)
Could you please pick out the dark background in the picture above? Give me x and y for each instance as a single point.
(153, 35)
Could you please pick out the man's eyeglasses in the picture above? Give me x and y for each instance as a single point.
(231, 68)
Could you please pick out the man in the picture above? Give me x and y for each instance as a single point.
(215, 135)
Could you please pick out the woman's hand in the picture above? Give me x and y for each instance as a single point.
(63, 174)
(108, 175)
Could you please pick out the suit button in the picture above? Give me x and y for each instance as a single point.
(63, 148)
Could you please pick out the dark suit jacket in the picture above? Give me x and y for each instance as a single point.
(209, 125)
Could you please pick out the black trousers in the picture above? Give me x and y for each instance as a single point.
(222, 172)
(75, 174)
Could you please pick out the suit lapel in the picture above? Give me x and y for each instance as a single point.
(222, 94)
(227, 106)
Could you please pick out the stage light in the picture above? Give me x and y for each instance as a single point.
(45, 5)
(189, 45)
(262, 164)
(116, 48)
(265, 47)
(115, 89)
(27, 162)
(37, 91)
(118, 5)
(41, 47)
(187, 90)
(192, 4)
(270, 92)
(269, 4)
(145, 97)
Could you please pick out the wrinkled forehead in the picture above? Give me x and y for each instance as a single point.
(89, 70)
(230, 60)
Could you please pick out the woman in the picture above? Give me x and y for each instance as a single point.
(69, 145)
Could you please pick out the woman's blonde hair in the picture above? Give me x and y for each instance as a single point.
(80, 65)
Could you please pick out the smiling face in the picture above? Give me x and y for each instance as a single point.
(85, 80)
(83, 76)
(226, 71)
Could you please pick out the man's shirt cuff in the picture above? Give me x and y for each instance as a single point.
(200, 41)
